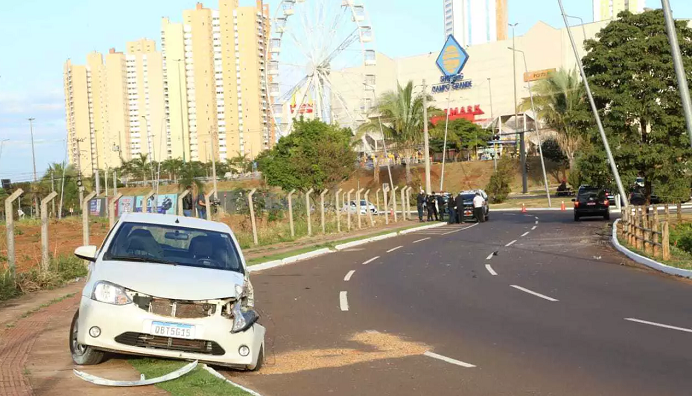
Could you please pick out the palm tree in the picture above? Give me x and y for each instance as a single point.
(139, 165)
(189, 173)
(240, 163)
(556, 99)
(401, 112)
(172, 167)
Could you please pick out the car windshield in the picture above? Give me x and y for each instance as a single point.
(587, 193)
(174, 245)
(468, 197)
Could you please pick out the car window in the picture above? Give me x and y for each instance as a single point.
(468, 197)
(174, 245)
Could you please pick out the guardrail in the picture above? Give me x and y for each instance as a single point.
(642, 229)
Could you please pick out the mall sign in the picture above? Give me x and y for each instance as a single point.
(451, 62)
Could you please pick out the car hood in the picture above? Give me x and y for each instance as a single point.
(170, 281)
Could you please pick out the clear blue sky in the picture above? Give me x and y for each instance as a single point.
(39, 35)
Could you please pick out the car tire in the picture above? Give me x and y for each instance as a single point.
(82, 355)
(260, 361)
(606, 216)
(576, 217)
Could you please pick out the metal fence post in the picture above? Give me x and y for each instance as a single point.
(394, 203)
(338, 211)
(111, 209)
(85, 218)
(358, 206)
(9, 215)
(348, 211)
(45, 259)
(386, 213)
(324, 227)
(666, 241)
(290, 212)
(307, 209)
(251, 205)
(180, 202)
(367, 202)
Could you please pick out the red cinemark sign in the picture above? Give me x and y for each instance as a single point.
(468, 113)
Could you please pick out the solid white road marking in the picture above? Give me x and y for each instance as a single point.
(448, 360)
(371, 260)
(525, 234)
(490, 256)
(452, 232)
(659, 325)
(511, 243)
(393, 249)
(491, 270)
(349, 275)
(533, 228)
(421, 240)
(534, 293)
(343, 301)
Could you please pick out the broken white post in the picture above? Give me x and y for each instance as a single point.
(145, 203)
(348, 205)
(206, 202)
(358, 207)
(180, 201)
(307, 208)
(377, 196)
(367, 202)
(85, 218)
(45, 259)
(290, 212)
(403, 203)
(394, 202)
(338, 211)
(111, 209)
(386, 213)
(324, 228)
(9, 224)
(251, 205)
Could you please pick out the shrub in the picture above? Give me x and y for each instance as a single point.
(681, 236)
(498, 187)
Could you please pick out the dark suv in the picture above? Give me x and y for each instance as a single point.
(591, 201)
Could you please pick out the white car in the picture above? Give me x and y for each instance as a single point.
(363, 207)
(168, 286)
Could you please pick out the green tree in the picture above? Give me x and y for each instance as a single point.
(240, 163)
(139, 166)
(630, 68)
(315, 155)
(461, 135)
(191, 174)
(498, 187)
(560, 103)
(68, 188)
(171, 168)
(401, 112)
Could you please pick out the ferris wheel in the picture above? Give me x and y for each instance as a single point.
(322, 60)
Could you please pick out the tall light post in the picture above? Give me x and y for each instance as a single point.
(444, 144)
(679, 67)
(33, 158)
(152, 153)
(490, 92)
(426, 140)
(587, 87)
(182, 89)
(537, 128)
(522, 143)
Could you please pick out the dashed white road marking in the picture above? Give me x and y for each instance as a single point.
(343, 301)
(452, 232)
(421, 240)
(660, 325)
(533, 228)
(393, 249)
(371, 260)
(491, 270)
(536, 222)
(525, 234)
(490, 256)
(448, 360)
(511, 243)
(536, 217)
(534, 293)
(349, 275)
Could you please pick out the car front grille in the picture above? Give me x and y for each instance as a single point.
(175, 308)
(143, 340)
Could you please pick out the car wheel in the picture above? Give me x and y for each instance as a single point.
(576, 217)
(82, 355)
(606, 216)
(260, 361)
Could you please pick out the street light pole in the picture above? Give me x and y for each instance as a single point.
(33, 158)
(538, 130)
(679, 67)
(587, 87)
(522, 143)
(492, 122)
(444, 145)
(426, 143)
(182, 122)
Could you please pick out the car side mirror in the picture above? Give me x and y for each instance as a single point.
(574, 200)
(86, 253)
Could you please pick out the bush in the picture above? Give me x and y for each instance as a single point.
(60, 271)
(681, 236)
(498, 187)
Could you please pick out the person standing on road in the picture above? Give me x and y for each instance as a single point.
(188, 202)
(432, 210)
(460, 208)
(478, 203)
(441, 206)
(420, 202)
(201, 205)
(452, 210)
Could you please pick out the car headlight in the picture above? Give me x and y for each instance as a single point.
(242, 319)
(109, 293)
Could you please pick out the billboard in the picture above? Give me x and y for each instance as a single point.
(126, 205)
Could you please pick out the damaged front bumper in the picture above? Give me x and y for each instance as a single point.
(129, 329)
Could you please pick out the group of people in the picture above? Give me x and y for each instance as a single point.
(438, 204)
(189, 202)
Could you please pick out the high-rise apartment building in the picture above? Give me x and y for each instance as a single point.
(474, 22)
(216, 99)
(609, 9)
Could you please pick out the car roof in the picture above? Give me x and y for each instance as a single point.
(175, 220)
(471, 192)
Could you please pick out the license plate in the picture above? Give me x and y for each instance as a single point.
(174, 330)
(591, 204)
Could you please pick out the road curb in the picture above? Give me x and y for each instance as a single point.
(221, 377)
(290, 260)
(645, 260)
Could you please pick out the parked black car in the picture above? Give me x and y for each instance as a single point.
(591, 201)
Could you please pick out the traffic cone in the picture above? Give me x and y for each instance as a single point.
(523, 208)
(562, 207)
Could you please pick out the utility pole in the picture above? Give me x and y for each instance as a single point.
(182, 90)
(52, 188)
(492, 122)
(444, 144)
(97, 175)
(33, 157)
(522, 142)
(679, 68)
(213, 166)
(426, 143)
(613, 166)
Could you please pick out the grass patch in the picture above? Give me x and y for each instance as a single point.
(196, 383)
(678, 257)
(60, 271)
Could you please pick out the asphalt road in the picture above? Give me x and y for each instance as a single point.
(515, 306)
